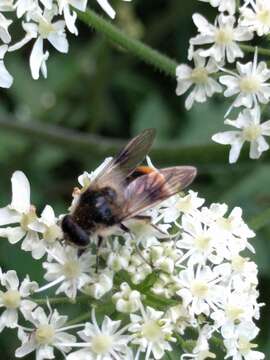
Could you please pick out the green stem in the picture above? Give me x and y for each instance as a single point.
(261, 220)
(135, 47)
(251, 49)
(62, 300)
(168, 153)
(79, 319)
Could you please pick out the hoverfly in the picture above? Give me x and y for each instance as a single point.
(123, 190)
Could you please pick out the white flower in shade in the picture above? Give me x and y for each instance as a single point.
(6, 79)
(257, 16)
(20, 211)
(165, 256)
(99, 284)
(152, 333)
(249, 129)
(223, 5)
(107, 7)
(199, 289)
(48, 333)
(25, 7)
(224, 36)
(249, 84)
(139, 266)
(127, 300)
(201, 350)
(199, 76)
(67, 268)
(65, 7)
(147, 232)
(180, 318)
(102, 342)
(14, 298)
(179, 205)
(4, 24)
(6, 5)
(119, 256)
(51, 232)
(240, 346)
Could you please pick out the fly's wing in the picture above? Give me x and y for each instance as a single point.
(151, 189)
(128, 158)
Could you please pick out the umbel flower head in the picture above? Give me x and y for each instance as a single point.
(148, 293)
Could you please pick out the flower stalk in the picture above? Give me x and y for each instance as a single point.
(142, 51)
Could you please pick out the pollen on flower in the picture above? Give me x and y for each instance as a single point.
(199, 289)
(199, 75)
(101, 344)
(264, 16)
(11, 299)
(71, 269)
(152, 331)
(234, 312)
(245, 346)
(52, 233)
(249, 84)
(45, 28)
(28, 218)
(252, 132)
(224, 36)
(238, 263)
(224, 223)
(44, 334)
(202, 242)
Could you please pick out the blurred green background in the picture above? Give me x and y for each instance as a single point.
(100, 89)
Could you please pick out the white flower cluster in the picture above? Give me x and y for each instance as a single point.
(41, 20)
(215, 52)
(184, 271)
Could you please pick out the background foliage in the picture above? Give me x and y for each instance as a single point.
(100, 89)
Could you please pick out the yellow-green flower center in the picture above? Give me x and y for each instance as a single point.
(234, 312)
(252, 132)
(238, 263)
(52, 233)
(250, 84)
(264, 16)
(245, 346)
(45, 28)
(225, 224)
(28, 218)
(152, 331)
(224, 36)
(202, 242)
(184, 205)
(101, 344)
(72, 269)
(11, 299)
(199, 76)
(44, 334)
(199, 289)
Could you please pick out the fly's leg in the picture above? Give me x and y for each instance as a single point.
(100, 239)
(127, 230)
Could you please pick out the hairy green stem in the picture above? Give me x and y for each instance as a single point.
(81, 318)
(251, 49)
(62, 300)
(135, 47)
